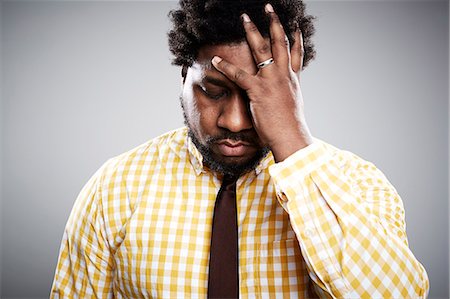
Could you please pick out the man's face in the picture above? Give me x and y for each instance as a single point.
(217, 112)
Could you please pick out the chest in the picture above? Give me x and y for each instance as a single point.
(165, 250)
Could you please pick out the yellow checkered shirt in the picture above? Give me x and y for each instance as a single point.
(323, 223)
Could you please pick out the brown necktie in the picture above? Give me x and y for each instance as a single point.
(223, 279)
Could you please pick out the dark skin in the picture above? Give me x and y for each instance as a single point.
(235, 96)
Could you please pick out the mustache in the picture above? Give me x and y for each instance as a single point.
(249, 137)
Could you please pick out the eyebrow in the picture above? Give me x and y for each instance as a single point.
(215, 81)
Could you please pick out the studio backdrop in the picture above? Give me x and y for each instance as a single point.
(85, 81)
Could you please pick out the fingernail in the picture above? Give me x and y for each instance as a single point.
(269, 8)
(216, 59)
(246, 18)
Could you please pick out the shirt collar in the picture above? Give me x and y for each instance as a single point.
(195, 156)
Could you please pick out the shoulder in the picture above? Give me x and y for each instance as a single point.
(115, 190)
(355, 167)
(341, 156)
(130, 169)
(140, 159)
(147, 155)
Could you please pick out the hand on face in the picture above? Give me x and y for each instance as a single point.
(276, 102)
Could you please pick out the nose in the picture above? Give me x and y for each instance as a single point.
(235, 114)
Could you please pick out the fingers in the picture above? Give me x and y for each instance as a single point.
(297, 51)
(243, 79)
(278, 38)
(259, 46)
(278, 48)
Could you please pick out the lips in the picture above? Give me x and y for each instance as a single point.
(231, 148)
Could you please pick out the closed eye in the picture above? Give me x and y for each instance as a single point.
(215, 95)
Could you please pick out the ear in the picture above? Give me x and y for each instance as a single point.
(184, 73)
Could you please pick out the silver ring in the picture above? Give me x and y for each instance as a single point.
(265, 63)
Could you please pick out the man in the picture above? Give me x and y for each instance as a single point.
(243, 201)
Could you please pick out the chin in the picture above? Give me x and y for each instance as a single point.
(234, 161)
(234, 166)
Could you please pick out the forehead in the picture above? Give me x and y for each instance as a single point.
(239, 54)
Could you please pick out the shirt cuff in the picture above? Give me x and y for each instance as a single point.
(293, 170)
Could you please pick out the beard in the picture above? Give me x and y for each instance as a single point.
(213, 162)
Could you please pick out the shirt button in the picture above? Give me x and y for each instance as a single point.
(309, 232)
(282, 196)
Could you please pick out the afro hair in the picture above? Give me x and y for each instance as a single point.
(213, 22)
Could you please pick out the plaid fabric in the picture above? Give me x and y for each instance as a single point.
(322, 223)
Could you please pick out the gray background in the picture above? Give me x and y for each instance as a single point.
(85, 81)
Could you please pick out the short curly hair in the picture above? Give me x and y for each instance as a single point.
(213, 22)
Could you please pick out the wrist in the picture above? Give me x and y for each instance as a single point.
(289, 144)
